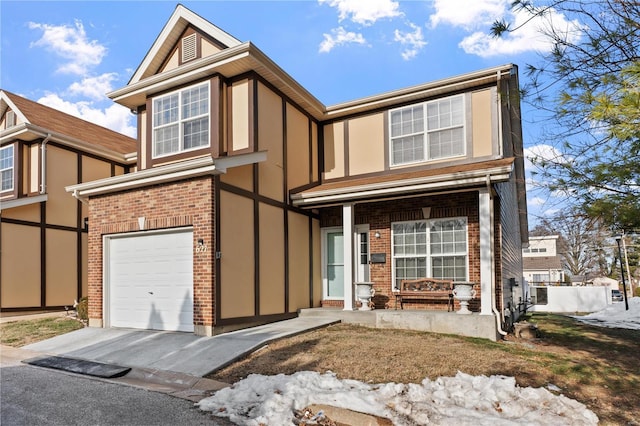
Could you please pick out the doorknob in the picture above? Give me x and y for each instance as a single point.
(150, 292)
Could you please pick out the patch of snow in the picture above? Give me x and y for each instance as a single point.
(459, 400)
(616, 316)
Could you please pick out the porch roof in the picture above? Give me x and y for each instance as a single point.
(408, 183)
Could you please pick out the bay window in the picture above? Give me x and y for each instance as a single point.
(427, 131)
(7, 168)
(430, 248)
(181, 121)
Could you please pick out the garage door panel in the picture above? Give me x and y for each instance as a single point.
(151, 281)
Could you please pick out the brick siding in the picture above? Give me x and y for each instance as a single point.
(164, 206)
(380, 216)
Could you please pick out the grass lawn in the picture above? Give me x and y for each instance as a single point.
(599, 367)
(20, 333)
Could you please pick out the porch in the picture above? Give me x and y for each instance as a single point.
(473, 325)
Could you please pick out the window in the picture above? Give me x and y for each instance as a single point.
(440, 135)
(6, 168)
(181, 121)
(435, 248)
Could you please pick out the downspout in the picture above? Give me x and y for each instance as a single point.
(43, 164)
(498, 315)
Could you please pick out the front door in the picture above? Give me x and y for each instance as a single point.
(333, 260)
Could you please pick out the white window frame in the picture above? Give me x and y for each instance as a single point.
(180, 121)
(10, 169)
(428, 255)
(426, 132)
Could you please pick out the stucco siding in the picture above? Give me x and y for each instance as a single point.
(237, 248)
(239, 115)
(62, 170)
(62, 275)
(208, 48)
(366, 144)
(270, 137)
(20, 272)
(334, 150)
(297, 148)
(482, 123)
(272, 271)
(298, 261)
(242, 177)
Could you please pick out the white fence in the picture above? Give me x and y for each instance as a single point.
(569, 299)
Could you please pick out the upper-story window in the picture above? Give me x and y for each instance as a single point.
(441, 135)
(181, 121)
(6, 168)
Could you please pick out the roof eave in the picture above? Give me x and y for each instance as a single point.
(162, 174)
(394, 188)
(228, 63)
(27, 128)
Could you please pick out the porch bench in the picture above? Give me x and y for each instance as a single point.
(425, 289)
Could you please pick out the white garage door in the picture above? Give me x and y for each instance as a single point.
(150, 281)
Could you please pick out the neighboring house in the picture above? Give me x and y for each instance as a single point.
(541, 262)
(247, 186)
(43, 235)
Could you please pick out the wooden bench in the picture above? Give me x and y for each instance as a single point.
(425, 289)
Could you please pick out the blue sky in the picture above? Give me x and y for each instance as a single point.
(69, 54)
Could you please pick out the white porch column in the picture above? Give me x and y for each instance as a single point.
(486, 251)
(347, 236)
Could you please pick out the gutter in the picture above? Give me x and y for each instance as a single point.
(43, 164)
(395, 187)
(162, 174)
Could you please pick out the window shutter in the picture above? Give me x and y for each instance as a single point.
(189, 48)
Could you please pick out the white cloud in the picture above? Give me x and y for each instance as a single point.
(529, 33)
(543, 152)
(72, 44)
(115, 117)
(468, 14)
(364, 12)
(338, 37)
(414, 41)
(94, 87)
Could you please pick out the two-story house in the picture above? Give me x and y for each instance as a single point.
(542, 264)
(253, 200)
(43, 234)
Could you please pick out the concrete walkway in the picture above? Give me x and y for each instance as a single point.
(175, 352)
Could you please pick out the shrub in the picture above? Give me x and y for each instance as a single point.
(636, 292)
(83, 309)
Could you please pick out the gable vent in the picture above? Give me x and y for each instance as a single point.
(10, 119)
(189, 48)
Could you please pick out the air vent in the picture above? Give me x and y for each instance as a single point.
(10, 119)
(189, 48)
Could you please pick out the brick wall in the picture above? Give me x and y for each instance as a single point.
(164, 206)
(380, 215)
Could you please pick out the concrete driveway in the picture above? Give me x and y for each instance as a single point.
(171, 351)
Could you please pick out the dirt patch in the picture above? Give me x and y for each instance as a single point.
(596, 366)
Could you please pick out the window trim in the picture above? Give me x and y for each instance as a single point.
(425, 132)
(12, 168)
(427, 255)
(180, 121)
